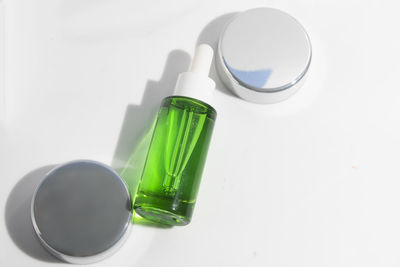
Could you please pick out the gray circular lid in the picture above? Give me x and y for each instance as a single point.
(263, 55)
(81, 212)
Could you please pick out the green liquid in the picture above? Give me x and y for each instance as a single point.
(175, 161)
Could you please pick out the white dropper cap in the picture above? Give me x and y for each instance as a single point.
(195, 83)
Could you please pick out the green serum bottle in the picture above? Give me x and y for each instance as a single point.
(175, 161)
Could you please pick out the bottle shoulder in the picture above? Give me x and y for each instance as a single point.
(184, 102)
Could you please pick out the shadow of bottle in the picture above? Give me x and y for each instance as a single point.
(18, 215)
(128, 159)
(137, 128)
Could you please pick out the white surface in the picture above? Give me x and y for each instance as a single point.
(2, 101)
(312, 181)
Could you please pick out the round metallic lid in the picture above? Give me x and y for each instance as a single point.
(263, 55)
(81, 212)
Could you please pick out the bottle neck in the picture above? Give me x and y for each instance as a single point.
(196, 86)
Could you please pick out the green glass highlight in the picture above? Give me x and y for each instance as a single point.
(175, 161)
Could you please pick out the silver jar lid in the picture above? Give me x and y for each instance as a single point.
(263, 55)
(81, 211)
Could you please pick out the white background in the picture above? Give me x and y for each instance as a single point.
(312, 181)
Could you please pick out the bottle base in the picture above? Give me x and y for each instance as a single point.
(161, 216)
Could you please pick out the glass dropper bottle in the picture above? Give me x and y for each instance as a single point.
(171, 177)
